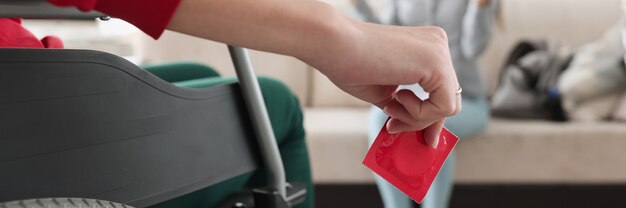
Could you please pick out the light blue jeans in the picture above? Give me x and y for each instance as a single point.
(470, 121)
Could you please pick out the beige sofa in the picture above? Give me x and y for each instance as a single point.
(508, 151)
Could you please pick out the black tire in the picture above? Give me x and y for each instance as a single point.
(62, 203)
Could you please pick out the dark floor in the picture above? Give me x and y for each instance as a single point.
(489, 196)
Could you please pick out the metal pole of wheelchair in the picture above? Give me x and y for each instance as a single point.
(260, 119)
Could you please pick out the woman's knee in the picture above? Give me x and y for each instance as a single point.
(181, 71)
(471, 120)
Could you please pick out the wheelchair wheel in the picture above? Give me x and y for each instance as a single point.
(62, 203)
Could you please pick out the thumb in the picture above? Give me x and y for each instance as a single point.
(431, 133)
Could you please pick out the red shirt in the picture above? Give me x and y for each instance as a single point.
(151, 16)
(13, 35)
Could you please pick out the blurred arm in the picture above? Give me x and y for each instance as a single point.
(477, 25)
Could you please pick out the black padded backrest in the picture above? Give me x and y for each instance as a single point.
(77, 123)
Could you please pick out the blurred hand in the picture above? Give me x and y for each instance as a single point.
(482, 3)
(383, 57)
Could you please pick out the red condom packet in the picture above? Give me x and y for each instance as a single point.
(407, 162)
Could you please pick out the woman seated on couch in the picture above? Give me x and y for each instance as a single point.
(468, 25)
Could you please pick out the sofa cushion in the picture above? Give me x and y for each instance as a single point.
(509, 151)
(515, 151)
(337, 140)
(325, 94)
(620, 110)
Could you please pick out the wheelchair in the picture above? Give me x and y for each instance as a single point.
(99, 131)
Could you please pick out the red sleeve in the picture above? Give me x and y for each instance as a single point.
(13, 35)
(150, 16)
(52, 41)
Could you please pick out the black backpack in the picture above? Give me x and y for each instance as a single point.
(527, 86)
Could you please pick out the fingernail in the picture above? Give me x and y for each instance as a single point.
(393, 132)
(398, 99)
(385, 111)
(436, 143)
(389, 130)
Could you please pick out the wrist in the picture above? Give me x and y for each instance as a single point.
(335, 36)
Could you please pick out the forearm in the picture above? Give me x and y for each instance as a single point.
(297, 28)
(365, 60)
(477, 25)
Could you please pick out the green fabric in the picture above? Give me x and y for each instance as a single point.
(287, 122)
(183, 71)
